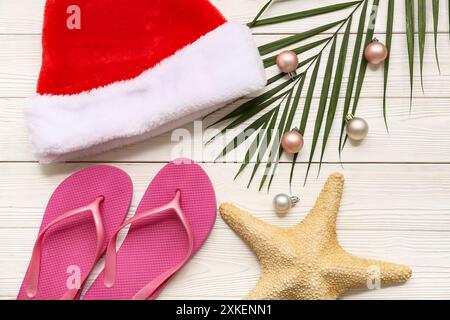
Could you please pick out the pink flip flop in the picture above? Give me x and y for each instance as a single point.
(173, 220)
(80, 218)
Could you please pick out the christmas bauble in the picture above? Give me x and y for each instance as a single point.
(376, 52)
(292, 142)
(287, 61)
(357, 128)
(282, 203)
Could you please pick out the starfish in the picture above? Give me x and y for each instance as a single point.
(306, 261)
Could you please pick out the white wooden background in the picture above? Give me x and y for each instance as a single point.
(397, 198)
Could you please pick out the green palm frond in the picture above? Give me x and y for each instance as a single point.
(322, 103)
(307, 108)
(422, 17)
(435, 31)
(268, 62)
(336, 89)
(276, 151)
(301, 15)
(409, 5)
(363, 63)
(389, 29)
(273, 112)
(259, 14)
(282, 43)
(353, 69)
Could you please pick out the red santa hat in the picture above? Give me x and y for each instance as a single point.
(119, 71)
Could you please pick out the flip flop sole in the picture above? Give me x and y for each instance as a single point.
(70, 246)
(158, 243)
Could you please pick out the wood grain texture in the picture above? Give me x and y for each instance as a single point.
(396, 203)
(21, 60)
(423, 136)
(25, 16)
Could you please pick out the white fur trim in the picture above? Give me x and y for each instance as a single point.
(218, 68)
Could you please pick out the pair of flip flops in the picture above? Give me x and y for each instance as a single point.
(87, 211)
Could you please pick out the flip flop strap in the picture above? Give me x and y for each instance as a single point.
(35, 263)
(151, 287)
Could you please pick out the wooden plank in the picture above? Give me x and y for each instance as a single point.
(423, 136)
(377, 197)
(20, 60)
(226, 268)
(25, 16)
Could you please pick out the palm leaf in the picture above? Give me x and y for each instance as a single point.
(290, 92)
(252, 111)
(389, 28)
(289, 122)
(282, 75)
(265, 145)
(247, 115)
(309, 96)
(282, 43)
(276, 150)
(353, 69)
(243, 136)
(263, 9)
(422, 17)
(336, 89)
(435, 29)
(256, 142)
(409, 4)
(322, 103)
(302, 14)
(268, 62)
(295, 103)
(306, 108)
(254, 103)
(363, 64)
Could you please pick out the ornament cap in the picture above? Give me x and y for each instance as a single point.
(349, 117)
(292, 75)
(294, 200)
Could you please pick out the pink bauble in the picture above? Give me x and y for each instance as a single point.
(287, 61)
(376, 52)
(292, 142)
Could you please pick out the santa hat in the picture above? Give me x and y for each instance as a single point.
(119, 71)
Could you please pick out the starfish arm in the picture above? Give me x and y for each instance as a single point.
(322, 217)
(274, 285)
(267, 288)
(349, 271)
(256, 233)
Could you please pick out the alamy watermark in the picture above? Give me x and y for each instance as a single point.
(73, 21)
(73, 281)
(374, 277)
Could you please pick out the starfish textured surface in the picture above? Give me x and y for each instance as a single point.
(306, 261)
